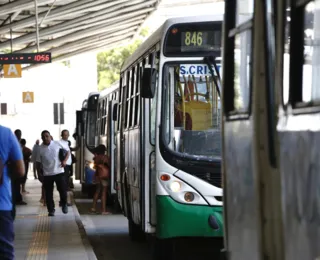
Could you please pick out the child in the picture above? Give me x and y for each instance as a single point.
(101, 177)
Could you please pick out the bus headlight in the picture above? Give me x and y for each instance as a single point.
(175, 186)
(189, 196)
(178, 190)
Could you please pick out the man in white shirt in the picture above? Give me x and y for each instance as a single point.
(53, 171)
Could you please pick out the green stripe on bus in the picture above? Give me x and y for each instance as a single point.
(181, 220)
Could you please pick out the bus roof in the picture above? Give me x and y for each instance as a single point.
(158, 35)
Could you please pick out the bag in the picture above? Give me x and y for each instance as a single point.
(62, 154)
(102, 172)
(73, 158)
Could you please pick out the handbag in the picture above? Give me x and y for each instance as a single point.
(62, 154)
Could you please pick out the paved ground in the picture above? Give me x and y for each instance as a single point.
(109, 238)
(109, 234)
(39, 237)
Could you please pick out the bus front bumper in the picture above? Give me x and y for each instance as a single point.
(181, 220)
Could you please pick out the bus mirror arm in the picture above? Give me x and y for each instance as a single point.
(210, 60)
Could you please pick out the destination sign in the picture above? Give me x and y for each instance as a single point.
(25, 58)
(197, 70)
(196, 39)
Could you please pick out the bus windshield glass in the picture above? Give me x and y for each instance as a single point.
(191, 107)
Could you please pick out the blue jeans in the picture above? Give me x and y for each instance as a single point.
(6, 235)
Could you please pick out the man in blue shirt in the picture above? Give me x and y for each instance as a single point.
(10, 153)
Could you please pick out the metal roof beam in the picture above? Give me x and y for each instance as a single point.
(118, 18)
(97, 16)
(70, 47)
(20, 5)
(61, 11)
(87, 32)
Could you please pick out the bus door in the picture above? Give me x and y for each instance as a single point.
(111, 146)
(80, 145)
(299, 130)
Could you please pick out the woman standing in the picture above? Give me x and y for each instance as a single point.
(101, 176)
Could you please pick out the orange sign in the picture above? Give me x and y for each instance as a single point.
(27, 97)
(12, 71)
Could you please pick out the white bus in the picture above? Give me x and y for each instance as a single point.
(92, 127)
(167, 135)
(85, 142)
(271, 130)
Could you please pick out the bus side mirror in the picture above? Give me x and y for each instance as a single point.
(148, 82)
(115, 112)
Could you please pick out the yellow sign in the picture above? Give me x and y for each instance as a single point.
(27, 97)
(12, 71)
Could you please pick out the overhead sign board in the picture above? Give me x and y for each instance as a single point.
(25, 58)
(27, 97)
(12, 71)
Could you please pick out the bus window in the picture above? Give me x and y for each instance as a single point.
(311, 68)
(242, 60)
(196, 110)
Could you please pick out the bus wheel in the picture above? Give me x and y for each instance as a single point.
(135, 232)
(163, 249)
(116, 204)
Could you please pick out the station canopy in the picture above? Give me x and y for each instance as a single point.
(70, 27)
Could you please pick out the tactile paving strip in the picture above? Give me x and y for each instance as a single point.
(38, 248)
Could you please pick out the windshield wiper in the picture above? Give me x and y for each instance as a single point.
(211, 62)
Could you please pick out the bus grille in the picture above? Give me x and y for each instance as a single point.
(212, 178)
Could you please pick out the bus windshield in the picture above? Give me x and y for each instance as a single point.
(192, 110)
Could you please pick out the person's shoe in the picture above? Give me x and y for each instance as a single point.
(65, 209)
(51, 214)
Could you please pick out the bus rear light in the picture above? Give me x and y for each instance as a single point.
(165, 177)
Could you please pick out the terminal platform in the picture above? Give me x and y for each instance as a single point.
(39, 237)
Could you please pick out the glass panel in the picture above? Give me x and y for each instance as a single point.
(242, 71)
(311, 68)
(153, 113)
(192, 110)
(92, 118)
(244, 11)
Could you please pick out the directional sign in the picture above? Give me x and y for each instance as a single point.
(25, 58)
(12, 71)
(27, 97)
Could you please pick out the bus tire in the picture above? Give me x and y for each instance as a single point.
(135, 232)
(116, 204)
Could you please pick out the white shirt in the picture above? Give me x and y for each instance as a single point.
(35, 152)
(65, 146)
(48, 156)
